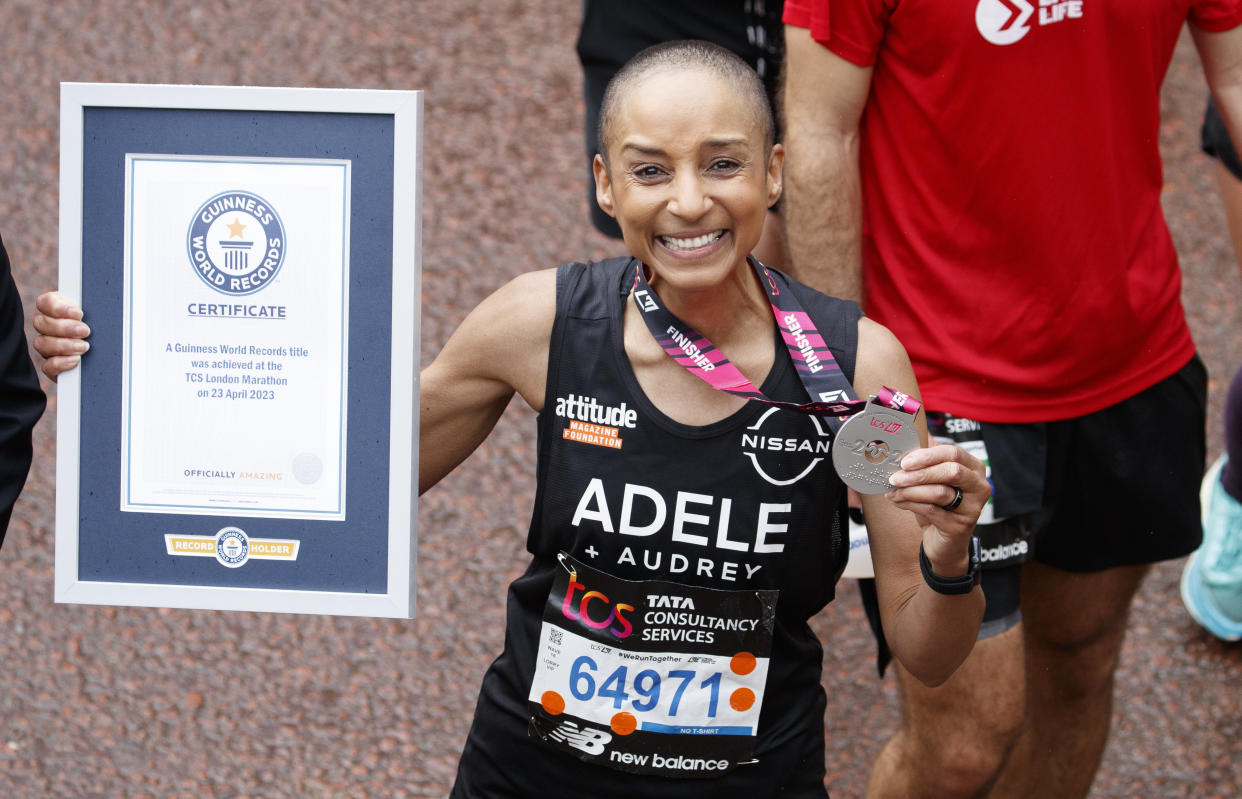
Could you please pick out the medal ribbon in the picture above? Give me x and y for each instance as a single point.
(817, 369)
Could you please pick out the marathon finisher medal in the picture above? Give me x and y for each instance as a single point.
(870, 445)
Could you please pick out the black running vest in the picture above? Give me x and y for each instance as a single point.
(750, 501)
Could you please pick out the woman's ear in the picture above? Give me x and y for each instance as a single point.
(603, 185)
(776, 176)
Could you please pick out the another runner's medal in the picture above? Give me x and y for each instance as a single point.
(870, 445)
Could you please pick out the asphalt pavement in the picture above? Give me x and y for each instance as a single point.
(128, 702)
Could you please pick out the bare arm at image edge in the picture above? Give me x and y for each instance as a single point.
(822, 103)
(1221, 54)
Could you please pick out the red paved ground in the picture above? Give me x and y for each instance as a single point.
(109, 702)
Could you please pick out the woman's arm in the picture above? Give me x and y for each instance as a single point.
(499, 349)
(930, 633)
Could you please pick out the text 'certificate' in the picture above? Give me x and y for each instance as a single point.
(235, 336)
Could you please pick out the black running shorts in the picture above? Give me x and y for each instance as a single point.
(1118, 487)
(1121, 486)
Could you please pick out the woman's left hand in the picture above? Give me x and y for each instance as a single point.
(928, 484)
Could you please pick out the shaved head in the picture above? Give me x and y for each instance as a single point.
(689, 54)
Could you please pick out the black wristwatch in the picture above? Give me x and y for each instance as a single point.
(952, 585)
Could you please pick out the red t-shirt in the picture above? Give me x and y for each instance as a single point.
(1012, 232)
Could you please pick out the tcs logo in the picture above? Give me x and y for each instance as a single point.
(887, 427)
(594, 605)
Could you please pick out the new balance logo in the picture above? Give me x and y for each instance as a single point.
(584, 739)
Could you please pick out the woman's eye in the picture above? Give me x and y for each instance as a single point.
(647, 172)
(724, 165)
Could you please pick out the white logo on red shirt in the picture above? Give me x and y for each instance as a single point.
(1003, 21)
(1006, 21)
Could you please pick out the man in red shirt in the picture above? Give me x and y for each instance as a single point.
(994, 167)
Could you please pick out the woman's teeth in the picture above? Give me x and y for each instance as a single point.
(690, 244)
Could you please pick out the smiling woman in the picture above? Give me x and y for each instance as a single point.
(688, 178)
(687, 521)
(687, 163)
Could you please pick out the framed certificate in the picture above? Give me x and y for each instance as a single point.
(243, 432)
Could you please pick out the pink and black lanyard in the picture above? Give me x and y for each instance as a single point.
(817, 369)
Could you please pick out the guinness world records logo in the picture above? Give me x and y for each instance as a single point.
(232, 547)
(236, 242)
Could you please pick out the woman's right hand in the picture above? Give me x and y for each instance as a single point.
(62, 333)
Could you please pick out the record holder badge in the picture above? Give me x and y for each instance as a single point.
(870, 445)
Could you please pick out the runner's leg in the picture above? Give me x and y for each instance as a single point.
(1075, 625)
(954, 738)
(1231, 472)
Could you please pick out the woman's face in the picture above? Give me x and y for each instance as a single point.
(688, 178)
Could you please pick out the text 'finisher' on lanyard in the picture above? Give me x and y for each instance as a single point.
(880, 429)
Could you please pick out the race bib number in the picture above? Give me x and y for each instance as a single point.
(945, 428)
(649, 676)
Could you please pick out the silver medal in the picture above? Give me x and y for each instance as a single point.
(870, 445)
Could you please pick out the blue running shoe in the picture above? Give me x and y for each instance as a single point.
(1212, 579)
